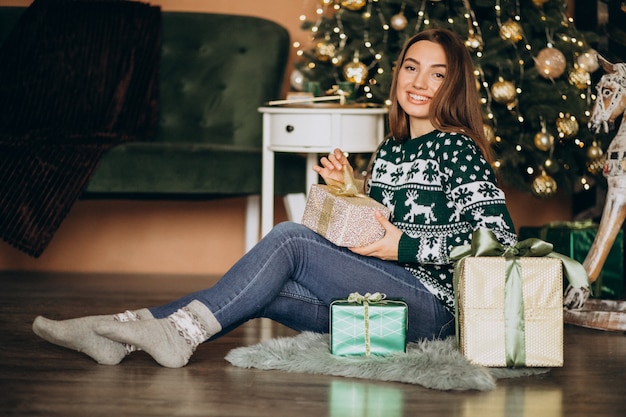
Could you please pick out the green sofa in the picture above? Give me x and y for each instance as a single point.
(216, 70)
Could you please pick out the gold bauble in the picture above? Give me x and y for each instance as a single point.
(544, 186)
(511, 31)
(579, 78)
(550, 63)
(325, 50)
(489, 134)
(594, 152)
(540, 3)
(503, 91)
(355, 72)
(353, 4)
(567, 126)
(544, 141)
(474, 43)
(588, 60)
(596, 166)
(398, 21)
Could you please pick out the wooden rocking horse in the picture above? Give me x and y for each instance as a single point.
(610, 105)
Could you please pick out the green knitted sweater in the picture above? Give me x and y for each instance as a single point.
(439, 189)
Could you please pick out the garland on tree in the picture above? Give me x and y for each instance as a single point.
(534, 72)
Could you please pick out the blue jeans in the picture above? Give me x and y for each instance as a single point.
(292, 275)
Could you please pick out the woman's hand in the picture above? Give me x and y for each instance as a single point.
(331, 166)
(385, 248)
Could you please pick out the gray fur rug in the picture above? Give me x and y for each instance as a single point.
(432, 364)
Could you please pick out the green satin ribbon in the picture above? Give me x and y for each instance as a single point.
(355, 297)
(484, 243)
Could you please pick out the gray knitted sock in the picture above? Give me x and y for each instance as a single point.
(170, 341)
(78, 334)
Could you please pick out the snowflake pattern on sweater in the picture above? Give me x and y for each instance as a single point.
(440, 189)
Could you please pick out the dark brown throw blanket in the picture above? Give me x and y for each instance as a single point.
(76, 78)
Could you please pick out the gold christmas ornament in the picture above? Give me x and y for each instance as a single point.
(588, 60)
(579, 78)
(544, 141)
(398, 21)
(511, 31)
(594, 152)
(355, 72)
(567, 126)
(550, 63)
(489, 134)
(353, 4)
(474, 43)
(596, 166)
(544, 186)
(325, 50)
(503, 91)
(540, 3)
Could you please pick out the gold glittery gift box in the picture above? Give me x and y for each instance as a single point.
(344, 220)
(481, 311)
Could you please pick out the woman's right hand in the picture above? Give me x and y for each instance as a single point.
(331, 166)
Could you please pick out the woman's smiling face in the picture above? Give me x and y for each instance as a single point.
(422, 72)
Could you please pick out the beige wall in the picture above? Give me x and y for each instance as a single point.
(189, 237)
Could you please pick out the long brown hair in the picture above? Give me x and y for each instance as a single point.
(455, 106)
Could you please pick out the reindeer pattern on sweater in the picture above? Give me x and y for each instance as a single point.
(440, 189)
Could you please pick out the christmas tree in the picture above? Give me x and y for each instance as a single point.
(533, 70)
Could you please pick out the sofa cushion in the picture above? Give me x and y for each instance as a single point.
(177, 170)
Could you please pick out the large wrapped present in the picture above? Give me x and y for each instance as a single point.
(510, 301)
(574, 239)
(369, 324)
(342, 215)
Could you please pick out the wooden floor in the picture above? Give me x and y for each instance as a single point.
(40, 379)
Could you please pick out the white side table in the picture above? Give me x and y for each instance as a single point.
(314, 130)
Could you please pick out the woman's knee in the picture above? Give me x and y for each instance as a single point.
(290, 229)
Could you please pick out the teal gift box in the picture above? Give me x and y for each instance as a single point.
(574, 239)
(368, 325)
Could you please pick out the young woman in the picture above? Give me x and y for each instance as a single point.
(433, 172)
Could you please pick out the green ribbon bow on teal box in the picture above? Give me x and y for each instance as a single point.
(485, 244)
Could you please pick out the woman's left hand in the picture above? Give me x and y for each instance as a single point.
(385, 248)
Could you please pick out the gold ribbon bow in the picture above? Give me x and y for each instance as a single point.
(348, 187)
(484, 243)
(355, 297)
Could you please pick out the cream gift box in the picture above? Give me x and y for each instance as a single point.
(509, 300)
(490, 336)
